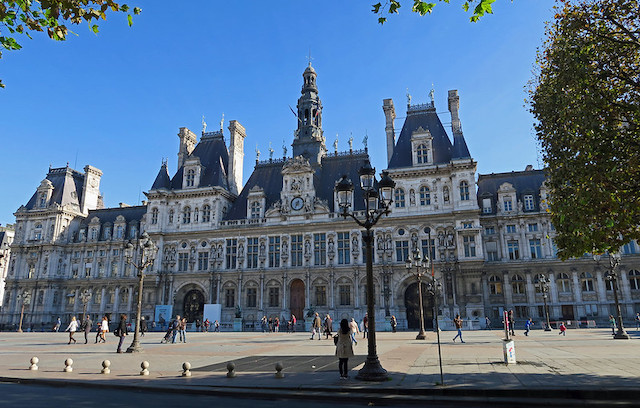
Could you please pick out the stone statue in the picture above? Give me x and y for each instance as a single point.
(284, 149)
(204, 125)
(257, 153)
(431, 95)
(222, 123)
(408, 98)
(441, 239)
(335, 144)
(238, 312)
(270, 152)
(364, 141)
(351, 143)
(449, 239)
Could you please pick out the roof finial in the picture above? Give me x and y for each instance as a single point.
(351, 141)
(335, 144)
(164, 161)
(309, 57)
(222, 122)
(284, 149)
(364, 141)
(431, 95)
(408, 98)
(204, 125)
(270, 152)
(257, 154)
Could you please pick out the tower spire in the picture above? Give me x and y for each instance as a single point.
(309, 139)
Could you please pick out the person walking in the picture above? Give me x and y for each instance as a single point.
(197, 325)
(56, 328)
(354, 330)
(104, 329)
(206, 325)
(175, 328)
(612, 322)
(98, 331)
(315, 326)
(276, 324)
(344, 348)
(263, 324)
(458, 322)
(328, 326)
(365, 326)
(487, 323)
(72, 328)
(183, 330)
(216, 326)
(563, 329)
(527, 326)
(512, 322)
(122, 331)
(86, 327)
(394, 324)
(143, 326)
(637, 321)
(293, 323)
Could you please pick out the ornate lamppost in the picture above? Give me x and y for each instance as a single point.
(543, 284)
(26, 300)
(377, 202)
(435, 288)
(420, 265)
(140, 256)
(85, 296)
(612, 276)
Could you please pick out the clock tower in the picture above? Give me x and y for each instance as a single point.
(309, 140)
(298, 195)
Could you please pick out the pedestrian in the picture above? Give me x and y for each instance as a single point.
(612, 322)
(527, 326)
(637, 321)
(56, 328)
(315, 326)
(72, 328)
(394, 324)
(563, 329)
(86, 327)
(263, 324)
(207, 323)
(98, 331)
(512, 322)
(458, 322)
(344, 348)
(104, 329)
(354, 330)
(293, 323)
(143, 326)
(365, 326)
(197, 325)
(487, 323)
(276, 324)
(175, 327)
(183, 329)
(121, 331)
(328, 326)
(216, 326)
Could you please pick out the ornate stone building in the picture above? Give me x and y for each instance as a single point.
(277, 246)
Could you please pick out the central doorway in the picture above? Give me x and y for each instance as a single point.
(193, 305)
(296, 301)
(412, 304)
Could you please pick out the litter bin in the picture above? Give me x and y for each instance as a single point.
(509, 351)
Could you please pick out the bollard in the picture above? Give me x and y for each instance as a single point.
(186, 369)
(231, 368)
(34, 363)
(67, 365)
(279, 373)
(145, 368)
(105, 367)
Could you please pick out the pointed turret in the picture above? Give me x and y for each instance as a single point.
(309, 141)
(162, 179)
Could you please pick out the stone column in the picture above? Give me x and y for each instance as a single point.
(508, 291)
(116, 301)
(356, 288)
(307, 289)
(626, 301)
(577, 294)
(525, 252)
(485, 294)
(284, 292)
(504, 252)
(531, 295)
(261, 292)
(332, 284)
(554, 307)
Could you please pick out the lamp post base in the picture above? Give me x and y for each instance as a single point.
(372, 370)
(135, 347)
(421, 335)
(621, 335)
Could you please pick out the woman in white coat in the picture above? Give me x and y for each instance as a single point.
(104, 328)
(72, 328)
(344, 348)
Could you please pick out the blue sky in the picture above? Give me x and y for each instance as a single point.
(116, 100)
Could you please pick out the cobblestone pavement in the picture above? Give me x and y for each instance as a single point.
(586, 360)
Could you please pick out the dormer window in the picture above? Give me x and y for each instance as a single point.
(421, 143)
(508, 204)
(528, 202)
(154, 216)
(191, 176)
(43, 200)
(464, 191)
(94, 233)
(422, 153)
(119, 232)
(256, 210)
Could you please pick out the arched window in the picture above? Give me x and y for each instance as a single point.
(399, 198)
(464, 191)
(186, 215)
(422, 153)
(587, 282)
(255, 209)
(634, 279)
(517, 284)
(154, 216)
(495, 285)
(425, 196)
(191, 177)
(563, 283)
(206, 213)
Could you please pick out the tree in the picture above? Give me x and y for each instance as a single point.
(22, 17)
(586, 101)
(481, 8)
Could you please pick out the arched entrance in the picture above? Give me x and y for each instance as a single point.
(193, 306)
(412, 304)
(296, 300)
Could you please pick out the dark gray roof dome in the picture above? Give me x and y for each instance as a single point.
(162, 179)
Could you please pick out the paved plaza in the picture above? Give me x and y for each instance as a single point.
(586, 363)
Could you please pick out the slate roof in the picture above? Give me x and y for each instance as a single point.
(525, 182)
(428, 120)
(460, 149)
(268, 176)
(67, 187)
(109, 215)
(162, 179)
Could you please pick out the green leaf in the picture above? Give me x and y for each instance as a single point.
(130, 20)
(382, 20)
(376, 8)
(94, 28)
(137, 10)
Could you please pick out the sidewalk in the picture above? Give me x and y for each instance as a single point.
(587, 363)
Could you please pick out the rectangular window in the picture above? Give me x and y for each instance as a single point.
(229, 297)
(469, 243)
(321, 295)
(514, 251)
(486, 206)
(426, 245)
(183, 262)
(296, 250)
(533, 227)
(467, 225)
(344, 244)
(274, 297)
(508, 205)
(521, 311)
(251, 297)
(528, 202)
(89, 254)
(489, 230)
(232, 253)
(345, 295)
(319, 249)
(252, 253)
(492, 255)
(402, 251)
(116, 252)
(274, 252)
(511, 229)
(203, 261)
(536, 248)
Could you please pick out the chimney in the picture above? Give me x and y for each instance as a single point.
(188, 141)
(390, 115)
(90, 189)
(454, 106)
(236, 155)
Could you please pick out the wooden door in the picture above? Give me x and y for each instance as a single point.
(296, 300)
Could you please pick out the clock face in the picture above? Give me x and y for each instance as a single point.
(297, 203)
